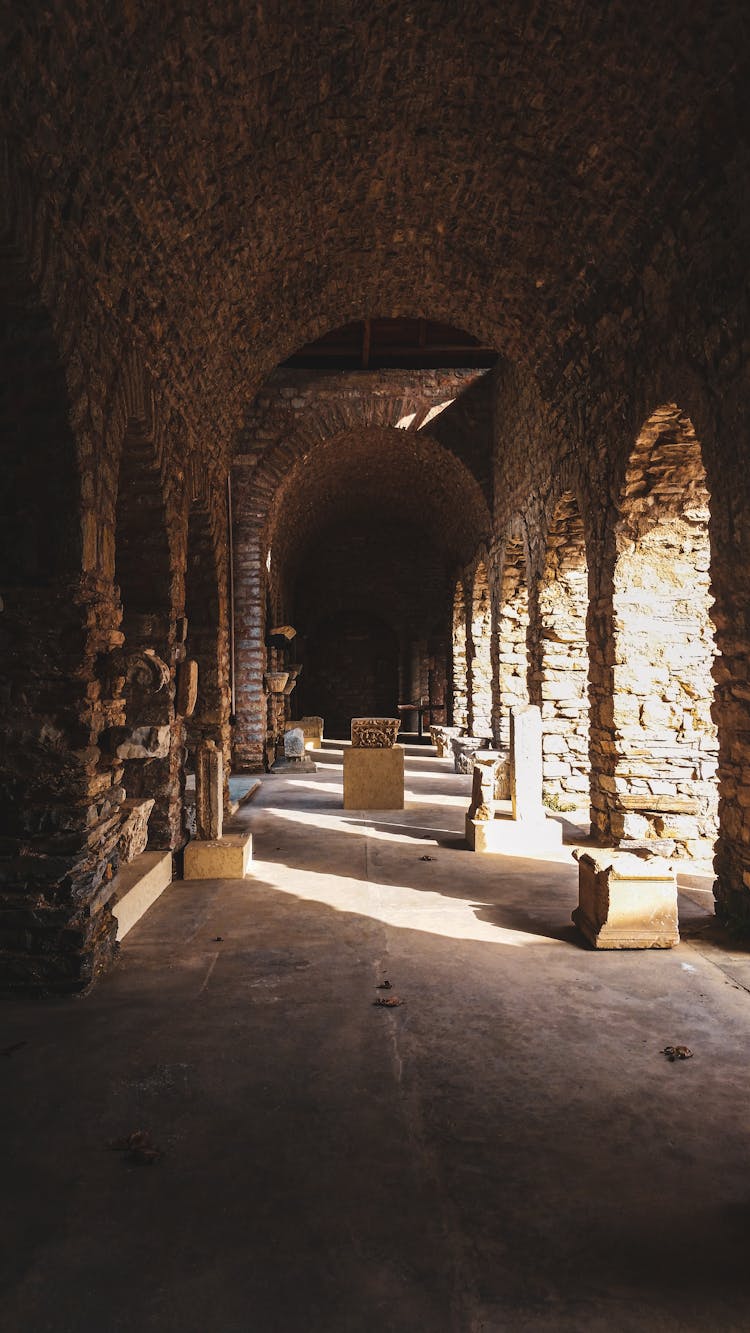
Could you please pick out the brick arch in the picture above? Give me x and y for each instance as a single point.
(662, 746)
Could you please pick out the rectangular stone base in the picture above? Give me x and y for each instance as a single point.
(220, 858)
(626, 902)
(513, 837)
(374, 779)
(136, 886)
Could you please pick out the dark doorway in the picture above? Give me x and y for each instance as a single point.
(351, 670)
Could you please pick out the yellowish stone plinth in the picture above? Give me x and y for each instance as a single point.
(220, 858)
(374, 778)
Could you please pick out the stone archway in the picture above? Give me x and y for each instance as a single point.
(459, 672)
(666, 744)
(143, 575)
(512, 633)
(563, 655)
(480, 654)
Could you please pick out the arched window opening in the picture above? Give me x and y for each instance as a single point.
(563, 604)
(480, 677)
(459, 666)
(512, 636)
(667, 744)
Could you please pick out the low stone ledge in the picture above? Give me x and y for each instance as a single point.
(136, 887)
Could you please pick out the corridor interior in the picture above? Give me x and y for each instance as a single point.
(507, 1149)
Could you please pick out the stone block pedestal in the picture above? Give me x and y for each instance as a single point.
(374, 778)
(625, 901)
(504, 835)
(136, 887)
(219, 858)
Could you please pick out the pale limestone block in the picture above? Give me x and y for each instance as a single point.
(219, 858)
(526, 763)
(294, 743)
(136, 887)
(504, 836)
(482, 806)
(374, 778)
(625, 901)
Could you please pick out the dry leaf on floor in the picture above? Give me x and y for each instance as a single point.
(427, 858)
(677, 1053)
(137, 1147)
(11, 1050)
(388, 1002)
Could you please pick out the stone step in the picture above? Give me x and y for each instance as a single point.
(136, 886)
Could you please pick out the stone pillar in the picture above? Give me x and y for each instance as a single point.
(209, 790)
(526, 762)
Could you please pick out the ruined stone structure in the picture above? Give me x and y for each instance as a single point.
(535, 492)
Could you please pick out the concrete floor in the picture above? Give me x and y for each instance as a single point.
(507, 1151)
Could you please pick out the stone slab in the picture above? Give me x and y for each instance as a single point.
(136, 886)
(374, 778)
(625, 901)
(513, 837)
(228, 857)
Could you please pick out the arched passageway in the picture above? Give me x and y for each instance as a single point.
(347, 544)
(512, 634)
(563, 655)
(666, 744)
(480, 654)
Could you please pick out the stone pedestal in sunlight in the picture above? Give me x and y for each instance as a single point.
(626, 901)
(526, 831)
(219, 858)
(374, 778)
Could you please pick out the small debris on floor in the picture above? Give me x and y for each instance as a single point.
(11, 1050)
(218, 939)
(427, 858)
(137, 1147)
(387, 1002)
(677, 1053)
(383, 985)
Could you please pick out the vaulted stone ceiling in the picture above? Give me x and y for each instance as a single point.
(234, 179)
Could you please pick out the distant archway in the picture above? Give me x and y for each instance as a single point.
(666, 741)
